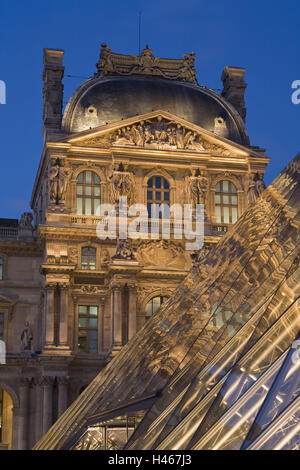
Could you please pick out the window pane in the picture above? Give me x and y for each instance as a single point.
(96, 179)
(233, 188)
(93, 341)
(158, 195)
(226, 215)
(85, 250)
(93, 322)
(149, 194)
(234, 199)
(80, 178)
(84, 262)
(88, 177)
(217, 199)
(82, 322)
(166, 196)
(225, 187)
(88, 190)
(82, 309)
(218, 188)
(150, 183)
(88, 206)
(218, 214)
(225, 199)
(96, 191)
(166, 184)
(96, 207)
(234, 215)
(157, 181)
(79, 205)
(79, 190)
(93, 310)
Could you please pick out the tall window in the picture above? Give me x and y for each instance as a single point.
(226, 203)
(1, 269)
(153, 305)
(88, 193)
(87, 329)
(158, 192)
(88, 258)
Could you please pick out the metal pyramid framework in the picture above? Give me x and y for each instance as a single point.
(217, 367)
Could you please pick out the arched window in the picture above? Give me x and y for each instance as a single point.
(154, 304)
(88, 258)
(1, 269)
(158, 192)
(87, 193)
(226, 203)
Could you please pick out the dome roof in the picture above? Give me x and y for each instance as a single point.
(104, 100)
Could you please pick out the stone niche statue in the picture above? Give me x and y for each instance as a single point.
(58, 179)
(198, 185)
(122, 184)
(256, 186)
(26, 338)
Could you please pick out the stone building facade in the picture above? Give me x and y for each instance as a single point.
(141, 128)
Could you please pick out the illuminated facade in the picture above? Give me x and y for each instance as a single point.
(218, 366)
(140, 128)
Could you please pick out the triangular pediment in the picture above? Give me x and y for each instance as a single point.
(158, 130)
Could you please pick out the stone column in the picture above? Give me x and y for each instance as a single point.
(63, 317)
(47, 396)
(132, 311)
(62, 394)
(49, 317)
(117, 318)
(23, 414)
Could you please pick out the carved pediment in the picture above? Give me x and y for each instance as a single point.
(158, 130)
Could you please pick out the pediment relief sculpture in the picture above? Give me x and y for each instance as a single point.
(158, 133)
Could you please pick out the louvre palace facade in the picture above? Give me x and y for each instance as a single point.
(141, 128)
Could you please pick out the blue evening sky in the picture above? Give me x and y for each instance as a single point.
(260, 35)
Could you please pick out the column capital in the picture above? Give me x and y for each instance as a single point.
(25, 381)
(63, 380)
(46, 381)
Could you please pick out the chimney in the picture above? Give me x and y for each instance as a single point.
(234, 88)
(53, 89)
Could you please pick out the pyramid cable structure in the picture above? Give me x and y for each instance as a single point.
(217, 367)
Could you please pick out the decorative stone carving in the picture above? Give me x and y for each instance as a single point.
(197, 188)
(26, 220)
(121, 184)
(146, 64)
(158, 133)
(161, 253)
(26, 338)
(217, 149)
(256, 186)
(58, 179)
(105, 257)
(73, 255)
(124, 250)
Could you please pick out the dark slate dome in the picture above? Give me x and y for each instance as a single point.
(99, 101)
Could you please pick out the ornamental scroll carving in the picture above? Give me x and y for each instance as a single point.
(146, 64)
(158, 133)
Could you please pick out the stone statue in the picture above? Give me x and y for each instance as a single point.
(198, 185)
(256, 186)
(58, 179)
(26, 220)
(122, 184)
(124, 250)
(26, 337)
(105, 257)
(259, 184)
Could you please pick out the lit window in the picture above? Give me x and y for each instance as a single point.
(87, 329)
(88, 193)
(158, 192)
(88, 258)
(226, 203)
(1, 269)
(154, 305)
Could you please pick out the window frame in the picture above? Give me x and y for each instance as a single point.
(223, 205)
(164, 297)
(89, 256)
(83, 197)
(163, 188)
(88, 328)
